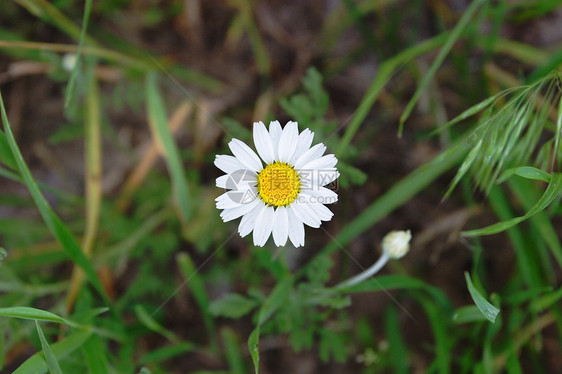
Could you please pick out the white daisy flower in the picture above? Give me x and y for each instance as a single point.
(286, 193)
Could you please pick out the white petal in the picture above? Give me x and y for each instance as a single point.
(312, 154)
(228, 164)
(321, 211)
(248, 221)
(288, 141)
(328, 176)
(263, 143)
(245, 194)
(305, 214)
(233, 213)
(296, 229)
(245, 155)
(240, 180)
(326, 162)
(221, 181)
(275, 133)
(303, 145)
(281, 226)
(264, 225)
(321, 195)
(228, 200)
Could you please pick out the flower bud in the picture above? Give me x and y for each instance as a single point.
(396, 243)
(68, 61)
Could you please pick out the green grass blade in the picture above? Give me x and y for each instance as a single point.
(52, 362)
(253, 342)
(147, 320)
(468, 313)
(166, 352)
(488, 310)
(470, 112)
(558, 125)
(48, 12)
(546, 301)
(525, 260)
(197, 287)
(163, 136)
(245, 7)
(74, 73)
(464, 168)
(440, 333)
(551, 193)
(526, 194)
(2, 351)
(36, 364)
(94, 355)
(384, 74)
(6, 155)
(527, 172)
(233, 355)
(397, 348)
(53, 222)
(25, 312)
(468, 14)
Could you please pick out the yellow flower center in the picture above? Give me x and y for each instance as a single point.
(278, 184)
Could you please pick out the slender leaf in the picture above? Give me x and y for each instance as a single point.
(468, 313)
(153, 325)
(551, 193)
(166, 352)
(546, 301)
(488, 310)
(25, 312)
(527, 195)
(6, 155)
(95, 355)
(74, 73)
(526, 263)
(161, 132)
(465, 166)
(57, 227)
(440, 333)
(253, 347)
(232, 349)
(398, 354)
(36, 364)
(197, 287)
(384, 74)
(468, 14)
(527, 172)
(52, 362)
(472, 111)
